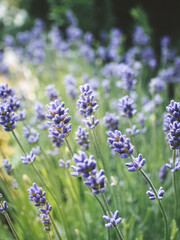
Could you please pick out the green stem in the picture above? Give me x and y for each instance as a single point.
(174, 185)
(109, 213)
(17, 140)
(55, 227)
(11, 226)
(69, 147)
(159, 201)
(98, 148)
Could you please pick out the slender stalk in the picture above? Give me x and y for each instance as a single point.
(98, 148)
(49, 235)
(109, 213)
(159, 201)
(17, 140)
(69, 147)
(55, 227)
(11, 226)
(174, 185)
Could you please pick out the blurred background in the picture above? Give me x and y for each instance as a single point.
(158, 17)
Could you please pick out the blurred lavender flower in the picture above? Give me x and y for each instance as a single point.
(85, 103)
(156, 85)
(140, 38)
(126, 107)
(7, 166)
(96, 182)
(106, 86)
(176, 166)
(136, 163)
(148, 57)
(112, 220)
(162, 173)
(70, 83)
(71, 18)
(73, 33)
(3, 207)
(167, 53)
(101, 52)
(36, 150)
(82, 138)
(23, 37)
(84, 165)
(7, 117)
(51, 92)
(152, 195)
(5, 91)
(40, 112)
(132, 131)
(64, 164)
(141, 119)
(127, 76)
(111, 121)
(88, 38)
(31, 134)
(29, 159)
(120, 144)
(9, 40)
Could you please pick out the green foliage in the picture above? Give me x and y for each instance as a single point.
(174, 230)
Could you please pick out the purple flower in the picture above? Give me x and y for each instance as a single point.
(86, 104)
(156, 85)
(70, 83)
(127, 76)
(7, 166)
(59, 121)
(96, 182)
(120, 144)
(51, 92)
(111, 121)
(166, 126)
(71, 18)
(46, 222)
(64, 164)
(174, 135)
(82, 138)
(90, 122)
(176, 166)
(88, 38)
(29, 159)
(162, 173)
(140, 37)
(40, 112)
(84, 165)
(36, 150)
(126, 107)
(3, 207)
(7, 117)
(112, 220)
(31, 134)
(46, 208)
(174, 111)
(132, 131)
(5, 91)
(152, 196)
(73, 33)
(37, 196)
(136, 163)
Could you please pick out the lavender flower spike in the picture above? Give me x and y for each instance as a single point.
(7, 166)
(111, 120)
(84, 165)
(112, 220)
(82, 138)
(37, 195)
(96, 182)
(85, 103)
(126, 107)
(152, 196)
(174, 111)
(3, 207)
(46, 222)
(29, 159)
(136, 164)
(7, 117)
(174, 135)
(120, 144)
